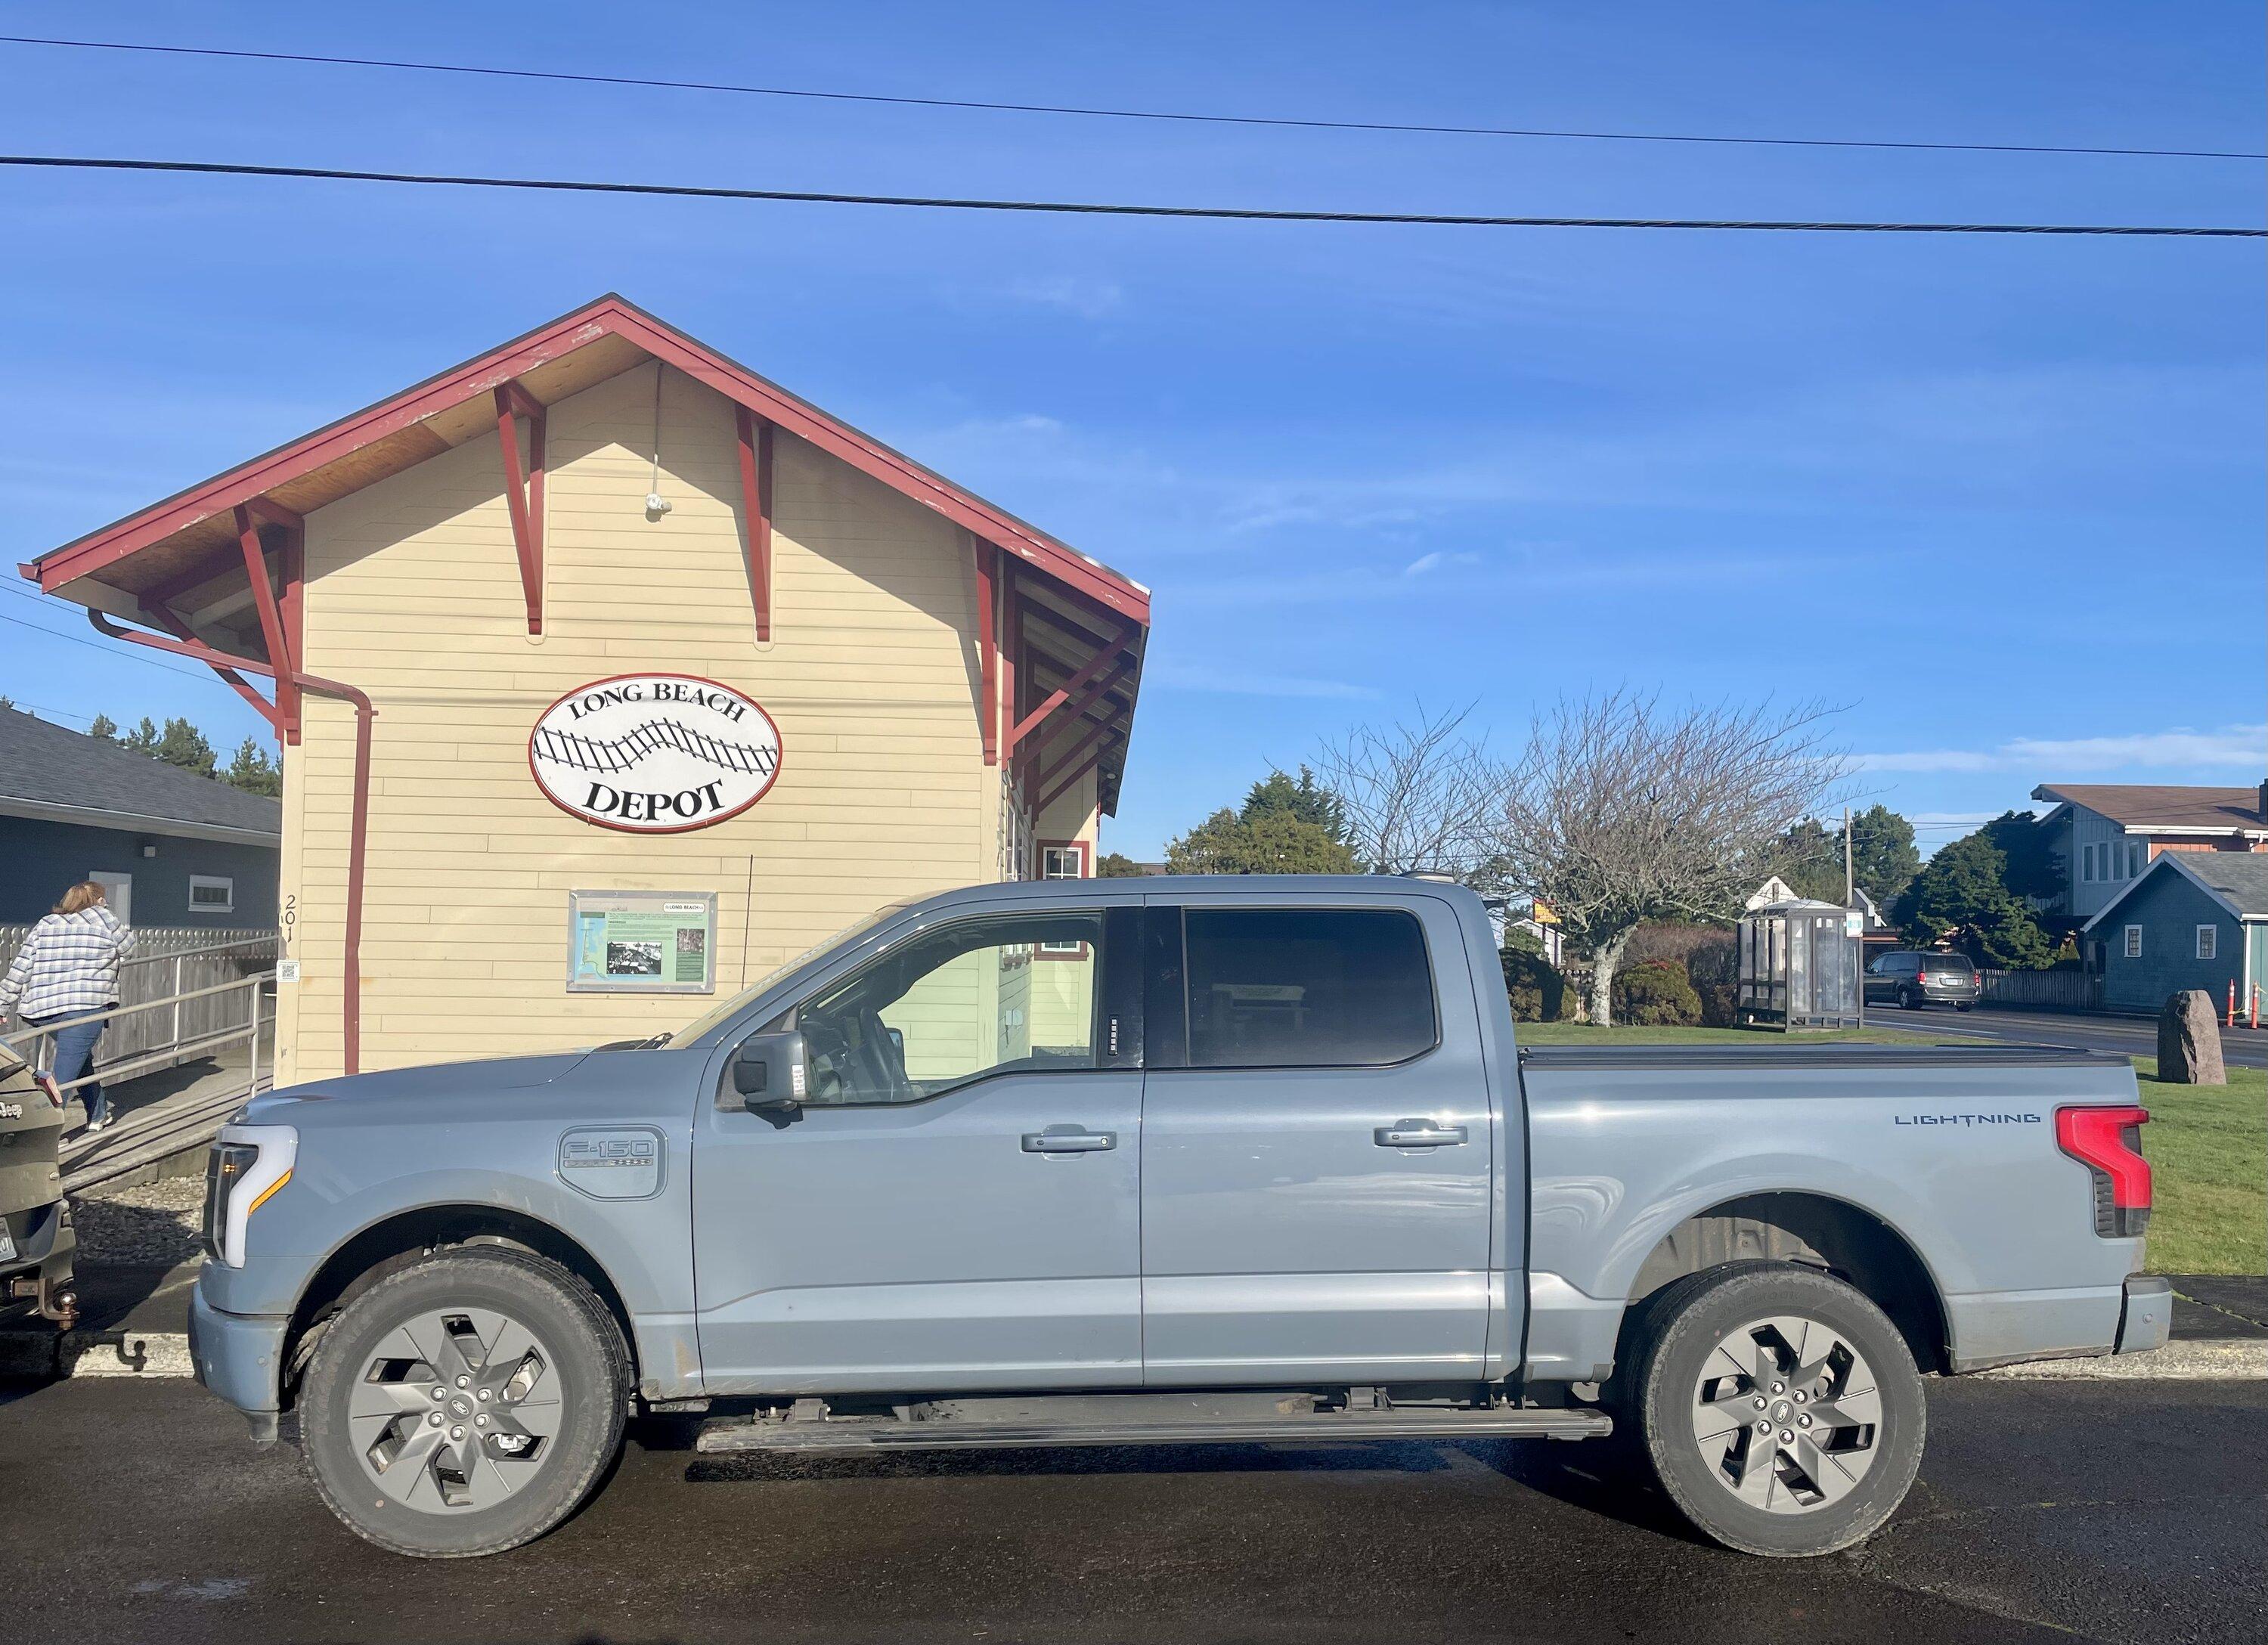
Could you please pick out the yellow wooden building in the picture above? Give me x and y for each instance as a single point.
(611, 676)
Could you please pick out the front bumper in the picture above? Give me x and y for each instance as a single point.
(240, 1358)
(2147, 1318)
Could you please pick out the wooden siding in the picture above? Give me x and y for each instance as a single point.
(414, 595)
(2170, 908)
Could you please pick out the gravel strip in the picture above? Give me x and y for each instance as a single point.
(152, 1223)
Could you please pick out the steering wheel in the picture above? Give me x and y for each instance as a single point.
(873, 1069)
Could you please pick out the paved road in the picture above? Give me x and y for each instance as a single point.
(2131, 1036)
(2045, 1511)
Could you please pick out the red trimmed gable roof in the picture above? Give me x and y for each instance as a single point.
(385, 435)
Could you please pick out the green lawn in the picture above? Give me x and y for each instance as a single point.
(2208, 1145)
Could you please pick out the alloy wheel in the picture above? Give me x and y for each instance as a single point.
(1787, 1415)
(455, 1409)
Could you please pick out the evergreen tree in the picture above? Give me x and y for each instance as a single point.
(182, 744)
(2034, 869)
(1961, 894)
(252, 771)
(1271, 842)
(142, 739)
(1302, 797)
(1883, 858)
(1113, 865)
(104, 727)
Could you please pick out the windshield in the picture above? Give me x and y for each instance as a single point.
(721, 1013)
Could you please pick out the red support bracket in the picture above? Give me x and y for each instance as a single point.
(524, 491)
(166, 617)
(755, 452)
(358, 819)
(1050, 769)
(1049, 796)
(1011, 645)
(1086, 700)
(988, 650)
(271, 616)
(1104, 655)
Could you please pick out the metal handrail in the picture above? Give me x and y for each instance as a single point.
(190, 954)
(30, 1041)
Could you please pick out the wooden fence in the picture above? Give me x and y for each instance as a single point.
(2043, 991)
(168, 962)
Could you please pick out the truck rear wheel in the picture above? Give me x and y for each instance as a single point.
(466, 1404)
(1779, 1409)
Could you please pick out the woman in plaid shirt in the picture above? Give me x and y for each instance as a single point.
(66, 967)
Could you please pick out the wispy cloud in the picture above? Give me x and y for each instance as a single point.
(2232, 748)
(1198, 678)
(1091, 299)
(1436, 560)
(1515, 577)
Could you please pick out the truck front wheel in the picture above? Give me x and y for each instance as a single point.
(1779, 1409)
(465, 1404)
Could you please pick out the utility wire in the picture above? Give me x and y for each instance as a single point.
(131, 656)
(1093, 209)
(1119, 113)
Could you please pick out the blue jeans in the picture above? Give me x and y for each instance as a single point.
(74, 1055)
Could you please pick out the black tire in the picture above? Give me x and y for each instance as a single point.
(1910, 1000)
(576, 1342)
(1966, 1006)
(1680, 1331)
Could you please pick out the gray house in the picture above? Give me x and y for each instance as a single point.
(2191, 919)
(173, 848)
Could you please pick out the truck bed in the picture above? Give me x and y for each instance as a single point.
(1793, 1053)
(1950, 1150)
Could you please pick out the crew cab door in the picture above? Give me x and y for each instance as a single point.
(1316, 1144)
(954, 1206)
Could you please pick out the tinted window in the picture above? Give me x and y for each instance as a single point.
(1948, 962)
(1306, 988)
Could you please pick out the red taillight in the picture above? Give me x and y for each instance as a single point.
(2109, 1142)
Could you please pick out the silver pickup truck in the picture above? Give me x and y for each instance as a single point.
(1162, 1160)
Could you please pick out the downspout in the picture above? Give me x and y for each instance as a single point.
(358, 826)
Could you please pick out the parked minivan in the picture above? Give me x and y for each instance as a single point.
(1914, 980)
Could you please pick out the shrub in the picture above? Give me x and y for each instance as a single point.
(1713, 968)
(1656, 994)
(1537, 988)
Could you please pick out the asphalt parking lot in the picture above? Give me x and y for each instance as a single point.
(2045, 1511)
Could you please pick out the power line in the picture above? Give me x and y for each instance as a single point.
(1248, 214)
(130, 656)
(46, 708)
(1177, 116)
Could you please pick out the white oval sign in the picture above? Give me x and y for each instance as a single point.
(655, 753)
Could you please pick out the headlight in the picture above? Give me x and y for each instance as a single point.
(246, 1167)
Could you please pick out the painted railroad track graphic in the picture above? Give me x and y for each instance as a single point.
(611, 755)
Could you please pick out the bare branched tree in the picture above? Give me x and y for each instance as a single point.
(1621, 811)
(1420, 796)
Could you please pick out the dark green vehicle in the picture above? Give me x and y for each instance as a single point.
(36, 1241)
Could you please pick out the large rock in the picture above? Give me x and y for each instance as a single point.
(2188, 1040)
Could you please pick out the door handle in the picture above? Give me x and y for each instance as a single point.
(1067, 1140)
(1418, 1133)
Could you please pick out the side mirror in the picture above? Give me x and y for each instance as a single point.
(770, 1071)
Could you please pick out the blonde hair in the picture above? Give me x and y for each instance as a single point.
(86, 894)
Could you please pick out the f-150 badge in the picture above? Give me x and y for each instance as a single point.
(612, 1162)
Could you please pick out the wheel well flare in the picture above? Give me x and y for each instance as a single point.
(1817, 1232)
(401, 1239)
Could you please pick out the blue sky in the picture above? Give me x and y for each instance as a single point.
(2002, 497)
